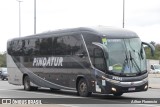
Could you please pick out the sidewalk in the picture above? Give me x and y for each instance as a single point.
(154, 75)
(154, 86)
(154, 81)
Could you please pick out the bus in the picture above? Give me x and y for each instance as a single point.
(89, 60)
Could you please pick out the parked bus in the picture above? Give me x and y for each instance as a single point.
(90, 60)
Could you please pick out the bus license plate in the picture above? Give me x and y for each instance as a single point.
(132, 89)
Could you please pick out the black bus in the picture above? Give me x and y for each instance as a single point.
(90, 60)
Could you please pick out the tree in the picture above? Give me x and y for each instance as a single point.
(157, 52)
(3, 60)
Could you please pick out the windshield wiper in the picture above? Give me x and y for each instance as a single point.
(134, 63)
(131, 58)
(126, 61)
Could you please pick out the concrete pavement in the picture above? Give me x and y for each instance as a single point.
(154, 81)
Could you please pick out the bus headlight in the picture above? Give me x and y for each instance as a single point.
(114, 89)
(146, 87)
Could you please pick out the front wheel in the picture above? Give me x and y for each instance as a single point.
(83, 88)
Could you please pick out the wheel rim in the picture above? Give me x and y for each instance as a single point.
(83, 87)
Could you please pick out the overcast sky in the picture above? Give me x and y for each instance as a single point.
(141, 16)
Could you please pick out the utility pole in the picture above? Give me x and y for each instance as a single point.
(123, 13)
(34, 16)
(19, 17)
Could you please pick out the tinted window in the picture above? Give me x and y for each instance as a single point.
(9, 48)
(98, 60)
(68, 45)
(45, 46)
(89, 39)
(74, 45)
(16, 48)
(30, 47)
(59, 45)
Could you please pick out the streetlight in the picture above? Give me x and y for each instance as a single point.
(19, 17)
(34, 16)
(123, 12)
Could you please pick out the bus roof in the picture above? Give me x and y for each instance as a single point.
(108, 32)
(114, 33)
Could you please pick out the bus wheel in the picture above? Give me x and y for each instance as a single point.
(83, 88)
(27, 85)
(117, 94)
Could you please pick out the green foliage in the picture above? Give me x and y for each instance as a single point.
(157, 52)
(3, 60)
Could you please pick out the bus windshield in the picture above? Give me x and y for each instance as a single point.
(126, 56)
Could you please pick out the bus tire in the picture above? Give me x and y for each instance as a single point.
(27, 85)
(117, 94)
(83, 88)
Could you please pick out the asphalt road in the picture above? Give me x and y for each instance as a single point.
(11, 91)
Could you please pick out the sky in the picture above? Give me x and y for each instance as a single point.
(141, 16)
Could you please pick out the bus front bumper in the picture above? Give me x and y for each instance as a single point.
(111, 87)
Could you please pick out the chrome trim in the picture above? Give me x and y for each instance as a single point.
(126, 84)
(135, 83)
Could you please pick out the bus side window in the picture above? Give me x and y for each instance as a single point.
(59, 47)
(67, 45)
(45, 46)
(98, 59)
(14, 47)
(75, 45)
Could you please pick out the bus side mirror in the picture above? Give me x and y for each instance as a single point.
(151, 47)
